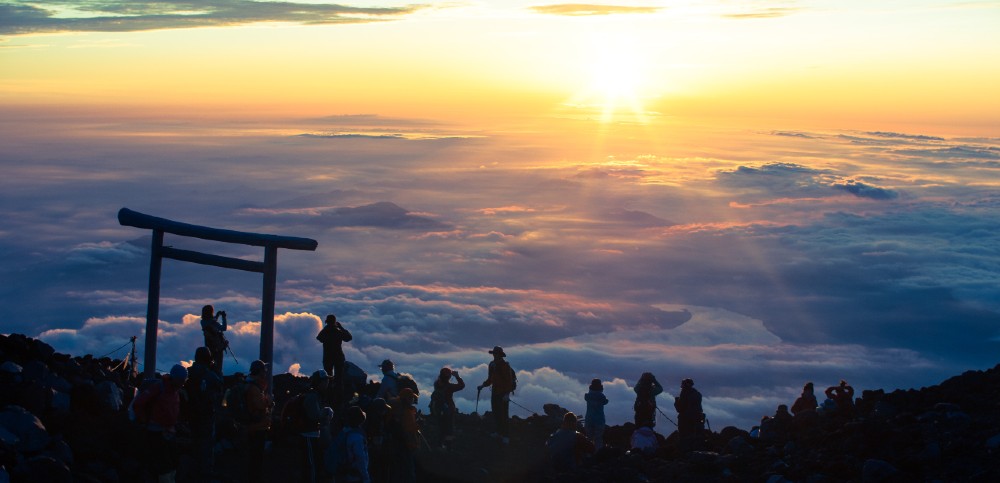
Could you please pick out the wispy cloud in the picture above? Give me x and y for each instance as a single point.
(25, 17)
(589, 9)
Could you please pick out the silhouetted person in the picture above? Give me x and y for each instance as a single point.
(405, 437)
(349, 452)
(204, 395)
(389, 387)
(646, 390)
(259, 405)
(333, 335)
(443, 402)
(567, 446)
(157, 409)
(690, 417)
(215, 340)
(502, 382)
(805, 402)
(843, 397)
(594, 421)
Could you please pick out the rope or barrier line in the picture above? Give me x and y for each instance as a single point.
(116, 350)
(522, 407)
(665, 416)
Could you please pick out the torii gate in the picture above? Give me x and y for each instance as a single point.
(269, 267)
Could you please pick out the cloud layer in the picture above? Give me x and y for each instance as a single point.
(25, 17)
(749, 261)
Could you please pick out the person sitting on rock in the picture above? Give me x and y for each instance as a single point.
(567, 446)
(806, 402)
(843, 397)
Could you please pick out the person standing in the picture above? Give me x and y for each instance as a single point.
(333, 335)
(259, 406)
(594, 419)
(443, 402)
(806, 402)
(843, 396)
(215, 339)
(204, 395)
(690, 418)
(157, 409)
(502, 382)
(646, 390)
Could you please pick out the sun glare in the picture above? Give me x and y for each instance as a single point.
(616, 76)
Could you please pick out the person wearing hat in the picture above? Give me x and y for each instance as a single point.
(314, 416)
(388, 387)
(158, 407)
(690, 418)
(502, 381)
(259, 405)
(204, 394)
(594, 420)
(405, 445)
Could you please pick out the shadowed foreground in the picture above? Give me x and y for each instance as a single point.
(59, 422)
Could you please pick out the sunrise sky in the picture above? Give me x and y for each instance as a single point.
(749, 193)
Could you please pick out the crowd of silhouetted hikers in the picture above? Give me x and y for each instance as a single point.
(340, 426)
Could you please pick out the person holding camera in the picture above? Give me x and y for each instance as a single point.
(443, 403)
(332, 336)
(215, 340)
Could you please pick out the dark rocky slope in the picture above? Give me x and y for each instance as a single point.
(62, 418)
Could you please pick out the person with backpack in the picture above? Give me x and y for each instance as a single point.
(443, 402)
(393, 382)
(347, 457)
(594, 419)
(157, 408)
(388, 389)
(203, 389)
(646, 390)
(567, 446)
(404, 437)
(305, 414)
(502, 381)
(690, 418)
(215, 340)
(253, 407)
(332, 336)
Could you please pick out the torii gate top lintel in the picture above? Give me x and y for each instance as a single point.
(269, 267)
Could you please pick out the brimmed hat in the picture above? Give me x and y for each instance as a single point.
(497, 350)
(386, 363)
(319, 376)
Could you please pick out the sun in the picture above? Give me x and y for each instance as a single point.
(616, 80)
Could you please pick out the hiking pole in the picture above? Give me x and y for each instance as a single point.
(424, 439)
(665, 416)
(478, 390)
(232, 353)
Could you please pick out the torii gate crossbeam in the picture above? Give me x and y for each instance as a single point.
(269, 267)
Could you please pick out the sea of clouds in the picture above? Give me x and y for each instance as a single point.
(749, 260)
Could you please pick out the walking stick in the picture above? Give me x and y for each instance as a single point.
(478, 390)
(665, 416)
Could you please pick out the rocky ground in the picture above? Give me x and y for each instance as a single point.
(63, 419)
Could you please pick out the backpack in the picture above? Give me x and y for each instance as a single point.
(236, 403)
(504, 379)
(338, 461)
(406, 380)
(201, 395)
(439, 405)
(293, 415)
(139, 408)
